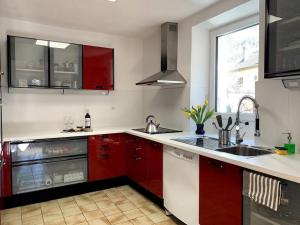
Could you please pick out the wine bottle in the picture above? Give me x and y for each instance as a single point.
(87, 120)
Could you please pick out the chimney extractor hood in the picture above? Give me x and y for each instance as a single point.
(169, 76)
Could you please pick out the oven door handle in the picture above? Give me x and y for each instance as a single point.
(45, 161)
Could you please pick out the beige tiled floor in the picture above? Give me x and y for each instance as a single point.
(121, 205)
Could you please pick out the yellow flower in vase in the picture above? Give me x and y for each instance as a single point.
(199, 114)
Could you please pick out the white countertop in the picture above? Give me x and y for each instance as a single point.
(286, 167)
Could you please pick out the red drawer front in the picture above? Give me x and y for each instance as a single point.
(106, 157)
(98, 68)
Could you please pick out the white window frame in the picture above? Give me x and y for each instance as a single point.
(227, 29)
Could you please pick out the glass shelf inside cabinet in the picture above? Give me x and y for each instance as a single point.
(28, 62)
(66, 65)
(32, 151)
(33, 177)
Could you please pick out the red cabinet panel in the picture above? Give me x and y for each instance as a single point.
(154, 177)
(6, 171)
(106, 157)
(98, 68)
(145, 164)
(220, 193)
(136, 156)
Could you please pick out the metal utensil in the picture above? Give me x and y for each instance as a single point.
(219, 120)
(229, 122)
(215, 125)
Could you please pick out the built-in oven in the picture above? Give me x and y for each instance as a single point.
(288, 212)
(44, 164)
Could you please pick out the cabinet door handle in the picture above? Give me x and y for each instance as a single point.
(137, 158)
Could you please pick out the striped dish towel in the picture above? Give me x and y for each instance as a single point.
(263, 190)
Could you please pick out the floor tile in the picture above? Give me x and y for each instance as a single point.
(31, 212)
(50, 204)
(142, 221)
(100, 221)
(149, 209)
(83, 200)
(13, 222)
(64, 200)
(126, 206)
(10, 217)
(135, 213)
(117, 218)
(12, 210)
(51, 210)
(76, 219)
(111, 210)
(69, 204)
(88, 208)
(158, 217)
(53, 219)
(71, 211)
(33, 220)
(125, 223)
(105, 204)
(92, 215)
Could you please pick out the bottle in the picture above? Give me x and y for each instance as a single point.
(87, 120)
(290, 146)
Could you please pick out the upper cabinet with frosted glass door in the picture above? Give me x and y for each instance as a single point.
(282, 47)
(65, 65)
(28, 62)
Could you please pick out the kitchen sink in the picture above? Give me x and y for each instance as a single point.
(244, 150)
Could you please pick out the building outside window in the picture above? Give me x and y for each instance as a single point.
(236, 54)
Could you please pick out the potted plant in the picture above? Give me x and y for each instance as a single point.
(200, 114)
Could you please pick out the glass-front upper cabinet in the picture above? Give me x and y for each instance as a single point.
(65, 65)
(28, 62)
(282, 47)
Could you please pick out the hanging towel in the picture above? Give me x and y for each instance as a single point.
(262, 189)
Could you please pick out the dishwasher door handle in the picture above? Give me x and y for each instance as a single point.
(184, 156)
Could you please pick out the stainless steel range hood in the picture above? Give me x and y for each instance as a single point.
(168, 76)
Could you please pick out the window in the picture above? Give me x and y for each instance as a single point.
(236, 67)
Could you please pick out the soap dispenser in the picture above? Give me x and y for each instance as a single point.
(290, 147)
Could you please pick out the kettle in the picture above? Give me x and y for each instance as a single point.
(151, 127)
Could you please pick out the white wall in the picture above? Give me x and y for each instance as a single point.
(166, 103)
(45, 110)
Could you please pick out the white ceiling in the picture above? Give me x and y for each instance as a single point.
(125, 17)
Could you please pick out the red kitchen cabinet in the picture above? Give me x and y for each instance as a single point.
(220, 193)
(106, 157)
(136, 156)
(154, 177)
(98, 68)
(6, 171)
(145, 164)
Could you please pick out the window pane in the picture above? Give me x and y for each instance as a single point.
(237, 68)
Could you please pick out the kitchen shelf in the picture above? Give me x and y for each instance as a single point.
(30, 70)
(65, 72)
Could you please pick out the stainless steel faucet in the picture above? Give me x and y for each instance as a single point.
(239, 137)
